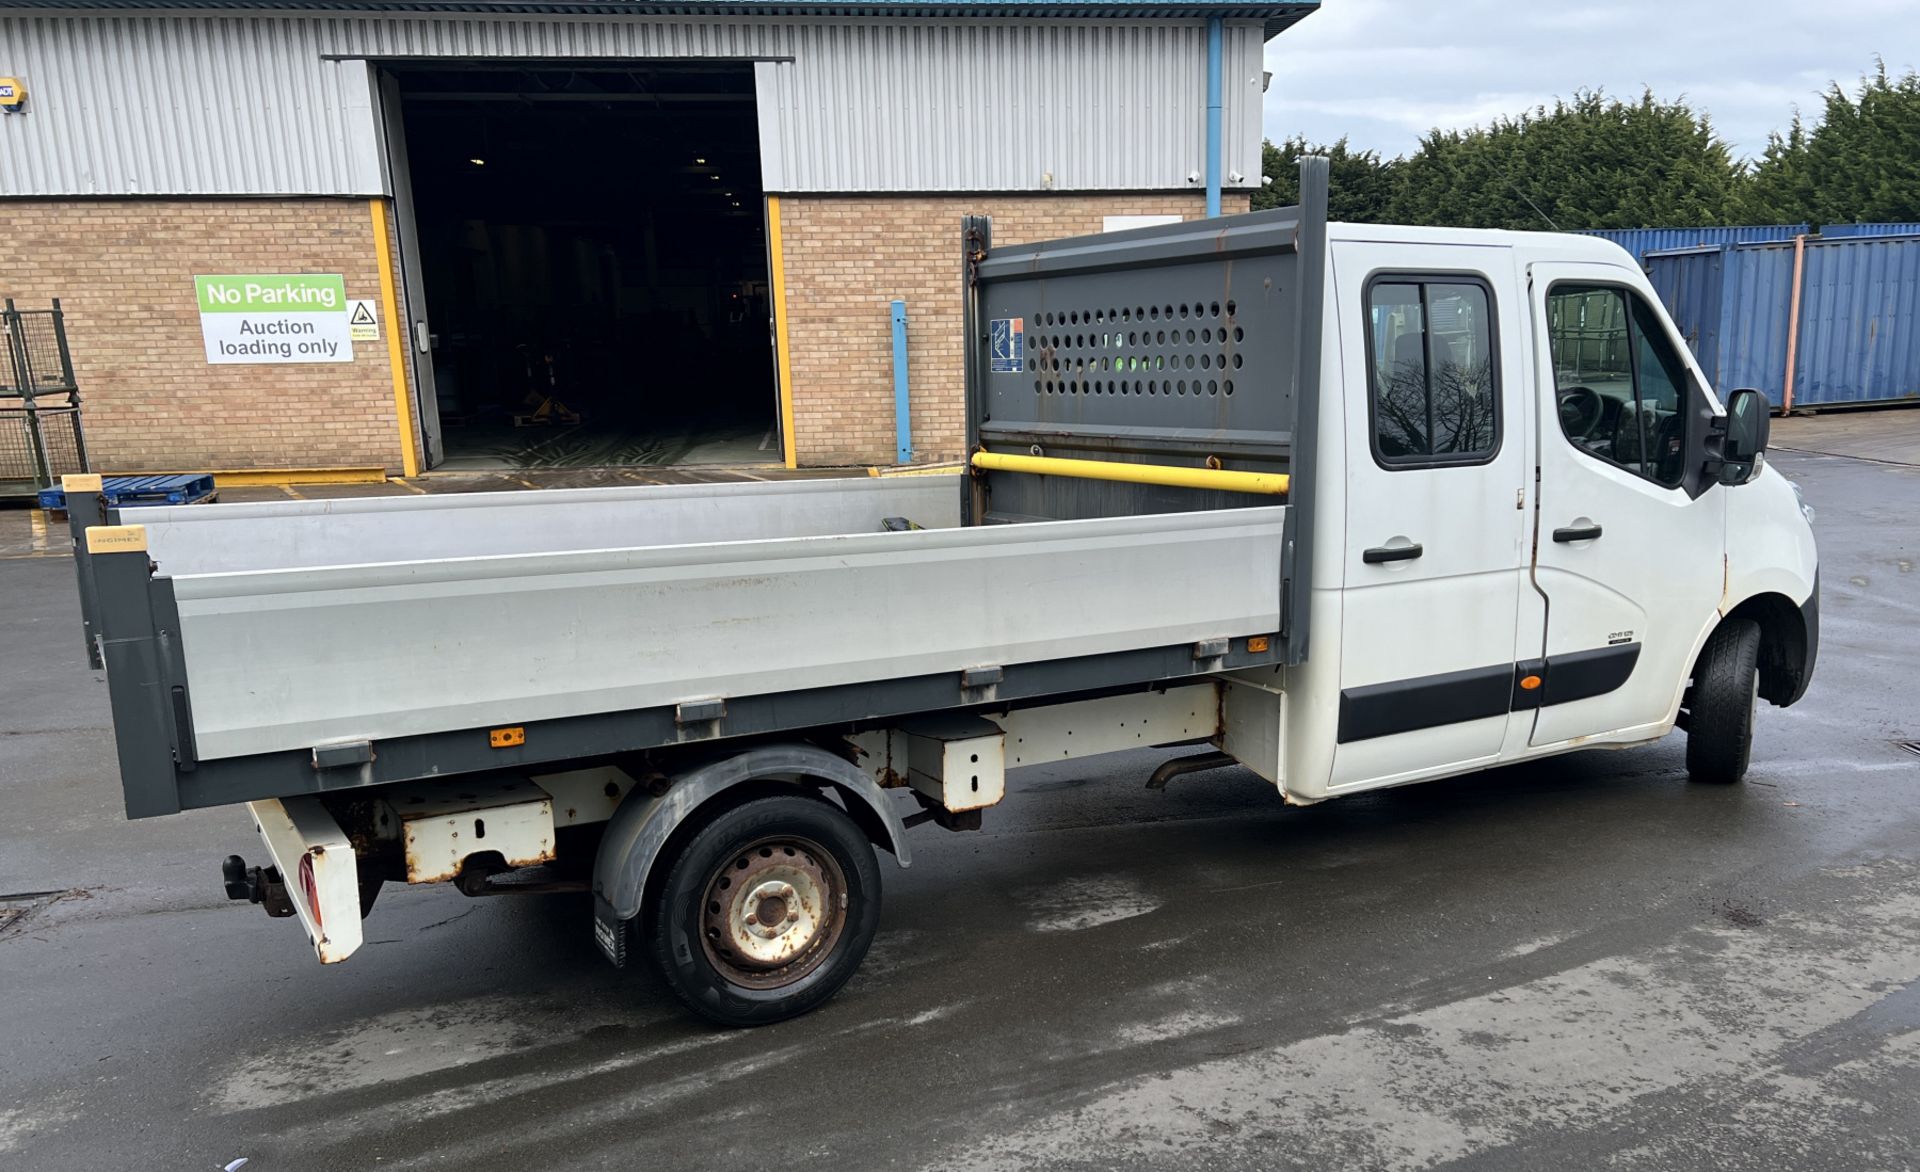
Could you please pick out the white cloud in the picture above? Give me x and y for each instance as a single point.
(1383, 72)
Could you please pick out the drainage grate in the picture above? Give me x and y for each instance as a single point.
(1910, 746)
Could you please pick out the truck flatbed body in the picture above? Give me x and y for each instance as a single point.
(275, 650)
(295, 657)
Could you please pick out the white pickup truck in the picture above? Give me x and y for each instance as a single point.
(1352, 506)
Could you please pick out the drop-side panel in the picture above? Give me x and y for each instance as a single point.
(291, 658)
(209, 539)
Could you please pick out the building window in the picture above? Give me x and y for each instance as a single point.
(1432, 392)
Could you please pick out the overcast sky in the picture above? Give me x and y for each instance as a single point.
(1383, 72)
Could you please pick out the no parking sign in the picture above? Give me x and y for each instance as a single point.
(274, 318)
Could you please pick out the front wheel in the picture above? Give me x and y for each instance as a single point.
(766, 910)
(1720, 706)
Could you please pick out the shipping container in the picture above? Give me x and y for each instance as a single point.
(1859, 321)
(1641, 241)
(1754, 313)
(1832, 231)
(1690, 283)
(1858, 330)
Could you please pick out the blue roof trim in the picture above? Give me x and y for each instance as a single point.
(1277, 16)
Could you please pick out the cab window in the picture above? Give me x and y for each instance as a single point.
(1620, 385)
(1431, 387)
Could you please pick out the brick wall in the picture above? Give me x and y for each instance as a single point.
(847, 257)
(123, 270)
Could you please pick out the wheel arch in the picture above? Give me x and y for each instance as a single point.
(641, 827)
(1789, 640)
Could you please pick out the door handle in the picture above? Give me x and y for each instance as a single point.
(1582, 533)
(1392, 553)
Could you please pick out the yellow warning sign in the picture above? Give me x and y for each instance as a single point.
(362, 325)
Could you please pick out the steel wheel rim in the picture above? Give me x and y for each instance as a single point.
(772, 911)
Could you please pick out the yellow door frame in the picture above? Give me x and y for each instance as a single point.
(782, 346)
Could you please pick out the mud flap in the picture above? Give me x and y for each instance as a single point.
(609, 932)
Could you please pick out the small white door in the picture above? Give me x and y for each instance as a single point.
(1631, 532)
(1437, 463)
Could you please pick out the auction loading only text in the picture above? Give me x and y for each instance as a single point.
(257, 342)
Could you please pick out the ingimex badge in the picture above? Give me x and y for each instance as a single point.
(1006, 339)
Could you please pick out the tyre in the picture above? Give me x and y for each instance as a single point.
(765, 910)
(1726, 687)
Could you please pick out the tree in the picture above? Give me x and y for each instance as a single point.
(1861, 163)
(1592, 162)
(1362, 184)
(1598, 162)
(1779, 189)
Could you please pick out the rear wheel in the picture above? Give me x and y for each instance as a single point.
(766, 910)
(1720, 706)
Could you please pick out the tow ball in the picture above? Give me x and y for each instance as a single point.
(261, 885)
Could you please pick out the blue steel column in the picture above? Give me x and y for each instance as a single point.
(902, 423)
(1213, 116)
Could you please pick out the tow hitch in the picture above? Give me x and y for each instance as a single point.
(313, 872)
(261, 885)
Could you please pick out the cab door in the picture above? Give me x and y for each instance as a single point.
(1629, 554)
(1437, 468)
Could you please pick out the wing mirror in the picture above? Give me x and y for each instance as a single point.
(1742, 434)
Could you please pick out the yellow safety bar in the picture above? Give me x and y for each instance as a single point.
(1264, 483)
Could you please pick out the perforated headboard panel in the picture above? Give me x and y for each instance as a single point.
(1170, 344)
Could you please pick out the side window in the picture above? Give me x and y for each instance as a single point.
(1620, 385)
(1430, 377)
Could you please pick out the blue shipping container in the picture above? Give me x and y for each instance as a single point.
(1859, 331)
(1832, 231)
(1641, 241)
(1690, 284)
(1754, 311)
(1859, 321)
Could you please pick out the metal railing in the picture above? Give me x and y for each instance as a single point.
(41, 437)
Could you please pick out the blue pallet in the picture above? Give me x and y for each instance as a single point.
(126, 491)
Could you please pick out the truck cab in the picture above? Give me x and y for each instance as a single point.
(1538, 527)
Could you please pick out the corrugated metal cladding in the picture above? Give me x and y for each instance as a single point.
(1753, 318)
(156, 106)
(1641, 241)
(259, 105)
(1690, 284)
(1830, 231)
(1859, 321)
(963, 107)
(1859, 316)
(1731, 304)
